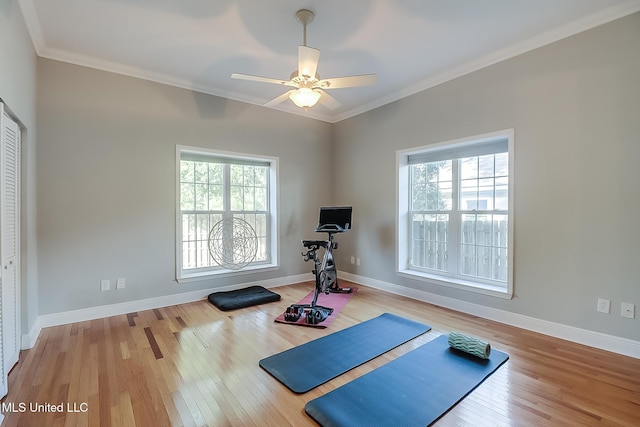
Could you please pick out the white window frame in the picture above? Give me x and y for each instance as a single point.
(403, 218)
(185, 275)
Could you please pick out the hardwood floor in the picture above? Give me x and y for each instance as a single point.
(193, 365)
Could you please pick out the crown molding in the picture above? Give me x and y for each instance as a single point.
(570, 29)
(32, 22)
(557, 34)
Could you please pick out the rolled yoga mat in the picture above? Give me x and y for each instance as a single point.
(469, 344)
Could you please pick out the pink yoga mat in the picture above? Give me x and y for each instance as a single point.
(336, 301)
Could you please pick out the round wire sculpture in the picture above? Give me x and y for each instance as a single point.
(233, 243)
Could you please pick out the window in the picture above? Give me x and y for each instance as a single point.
(455, 221)
(213, 186)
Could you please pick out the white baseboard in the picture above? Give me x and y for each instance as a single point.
(81, 315)
(599, 340)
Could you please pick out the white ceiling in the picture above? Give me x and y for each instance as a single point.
(411, 44)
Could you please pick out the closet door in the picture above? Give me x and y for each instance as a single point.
(10, 241)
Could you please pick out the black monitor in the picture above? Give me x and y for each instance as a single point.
(336, 219)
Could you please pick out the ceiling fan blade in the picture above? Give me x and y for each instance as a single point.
(328, 101)
(279, 99)
(350, 81)
(308, 61)
(261, 79)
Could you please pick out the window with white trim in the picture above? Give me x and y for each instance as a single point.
(455, 217)
(212, 186)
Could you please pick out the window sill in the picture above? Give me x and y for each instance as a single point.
(203, 275)
(481, 288)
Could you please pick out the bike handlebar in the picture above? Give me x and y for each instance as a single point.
(333, 227)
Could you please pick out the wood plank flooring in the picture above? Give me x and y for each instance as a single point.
(193, 365)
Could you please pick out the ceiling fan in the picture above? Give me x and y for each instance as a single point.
(309, 88)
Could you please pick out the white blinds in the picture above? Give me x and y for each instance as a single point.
(499, 145)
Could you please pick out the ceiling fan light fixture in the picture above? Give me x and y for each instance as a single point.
(305, 97)
(306, 81)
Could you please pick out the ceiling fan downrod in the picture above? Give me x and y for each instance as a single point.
(305, 16)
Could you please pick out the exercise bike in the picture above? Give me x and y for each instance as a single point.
(332, 220)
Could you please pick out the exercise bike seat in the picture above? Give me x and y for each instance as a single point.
(316, 243)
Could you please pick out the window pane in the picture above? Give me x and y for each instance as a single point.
(236, 174)
(502, 193)
(262, 254)
(202, 197)
(502, 164)
(432, 196)
(236, 198)
(488, 190)
(500, 229)
(186, 171)
(203, 227)
(483, 262)
(249, 199)
(445, 191)
(429, 243)
(201, 172)
(202, 255)
(473, 186)
(433, 170)
(249, 175)
(418, 187)
(445, 171)
(486, 166)
(261, 199)
(483, 230)
(418, 253)
(468, 229)
(211, 190)
(216, 173)
(189, 255)
(262, 177)
(469, 194)
(216, 198)
(469, 168)
(187, 197)
(188, 227)
(418, 226)
(468, 260)
(485, 194)
(500, 269)
(431, 186)
(261, 225)
(484, 246)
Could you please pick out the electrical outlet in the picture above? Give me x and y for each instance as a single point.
(604, 305)
(357, 261)
(628, 310)
(121, 283)
(353, 260)
(105, 285)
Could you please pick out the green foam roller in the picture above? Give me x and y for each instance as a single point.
(468, 344)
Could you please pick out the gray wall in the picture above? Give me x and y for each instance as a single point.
(106, 181)
(106, 167)
(18, 91)
(575, 107)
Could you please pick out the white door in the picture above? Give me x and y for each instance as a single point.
(10, 241)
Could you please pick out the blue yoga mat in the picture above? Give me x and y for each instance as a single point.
(306, 366)
(413, 390)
